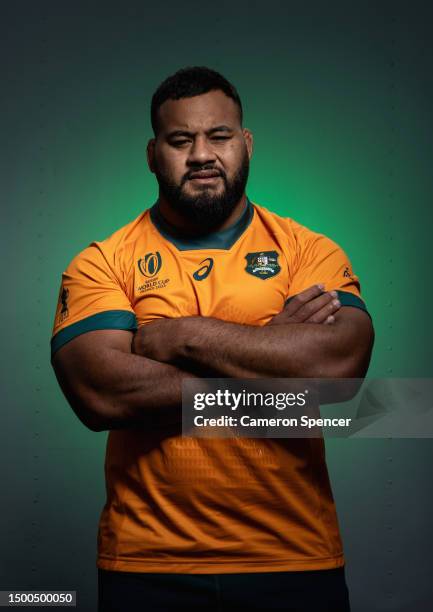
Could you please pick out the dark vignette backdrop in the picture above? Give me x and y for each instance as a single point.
(339, 97)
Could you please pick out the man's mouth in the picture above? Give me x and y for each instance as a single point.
(204, 176)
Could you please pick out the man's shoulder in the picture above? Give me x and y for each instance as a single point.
(298, 238)
(113, 246)
(284, 223)
(127, 233)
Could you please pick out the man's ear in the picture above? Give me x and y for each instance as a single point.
(151, 155)
(248, 135)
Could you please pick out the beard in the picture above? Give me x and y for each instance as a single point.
(207, 210)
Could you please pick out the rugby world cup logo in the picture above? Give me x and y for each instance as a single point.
(150, 264)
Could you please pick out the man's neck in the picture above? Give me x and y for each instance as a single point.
(184, 226)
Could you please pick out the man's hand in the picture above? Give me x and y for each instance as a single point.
(157, 340)
(312, 305)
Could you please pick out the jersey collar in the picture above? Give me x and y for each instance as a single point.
(223, 239)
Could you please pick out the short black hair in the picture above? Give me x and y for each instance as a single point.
(188, 82)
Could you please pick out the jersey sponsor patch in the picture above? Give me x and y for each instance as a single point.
(205, 269)
(263, 264)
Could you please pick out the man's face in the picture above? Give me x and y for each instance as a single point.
(201, 157)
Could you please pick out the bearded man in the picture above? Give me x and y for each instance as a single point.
(207, 282)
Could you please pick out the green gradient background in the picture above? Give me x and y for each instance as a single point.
(339, 99)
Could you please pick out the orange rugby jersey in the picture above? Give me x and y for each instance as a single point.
(200, 505)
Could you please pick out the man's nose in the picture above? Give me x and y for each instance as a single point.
(201, 152)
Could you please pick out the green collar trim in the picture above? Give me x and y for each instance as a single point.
(224, 239)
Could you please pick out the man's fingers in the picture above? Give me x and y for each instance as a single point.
(313, 305)
(317, 309)
(303, 298)
(327, 310)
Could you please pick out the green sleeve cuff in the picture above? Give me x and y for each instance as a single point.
(346, 299)
(349, 299)
(109, 319)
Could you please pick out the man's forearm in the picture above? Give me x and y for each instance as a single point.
(244, 351)
(298, 351)
(144, 393)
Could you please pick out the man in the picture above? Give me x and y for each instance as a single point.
(206, 282)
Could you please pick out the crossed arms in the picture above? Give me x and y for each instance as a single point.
(116, 379)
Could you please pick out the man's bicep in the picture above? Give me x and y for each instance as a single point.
(354, 322)
(84, 367)
(87, 346)
(85, 358)
(354, 337)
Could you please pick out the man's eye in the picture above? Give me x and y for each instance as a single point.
(178, 143)
(220, 137)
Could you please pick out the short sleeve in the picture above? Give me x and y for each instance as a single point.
(91, 297)
(321, 260)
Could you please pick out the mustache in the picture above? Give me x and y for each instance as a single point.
(187, 176)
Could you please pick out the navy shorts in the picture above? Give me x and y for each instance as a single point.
(303, 591)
